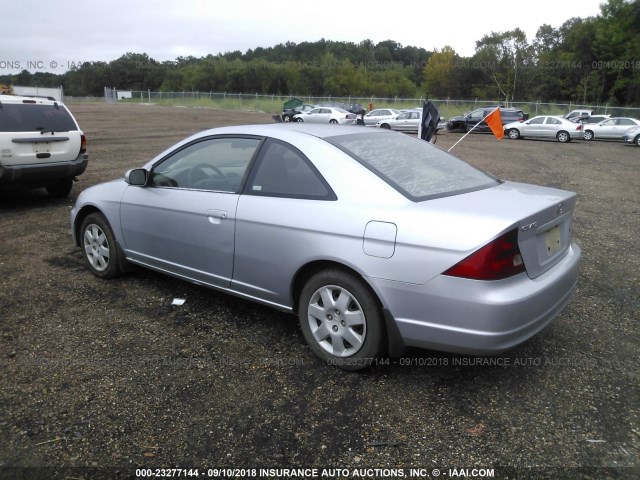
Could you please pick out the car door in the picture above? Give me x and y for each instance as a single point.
(183, 220)
(606, 129)
(372, 117)
(622, 125)
(401, 121)
(534, 127)
(281, 213)
(552, 126)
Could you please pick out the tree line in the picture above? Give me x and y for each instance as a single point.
(592, 60)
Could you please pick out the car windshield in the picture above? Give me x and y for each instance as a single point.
(417, 169)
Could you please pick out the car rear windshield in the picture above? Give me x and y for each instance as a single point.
(26, 117)
(417, 169)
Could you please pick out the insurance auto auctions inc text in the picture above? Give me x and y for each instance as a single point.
(375, 473)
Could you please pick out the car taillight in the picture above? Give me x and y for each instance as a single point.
(579, 127)
(498, 259)
(83, 144)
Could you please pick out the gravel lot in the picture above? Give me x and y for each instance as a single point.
(98, 378)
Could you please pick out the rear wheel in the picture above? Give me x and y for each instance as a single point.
(298, 120)
(588, 135)
(61, 188)
(286, 118)
(637, 140)
(341, 320)
(563, 137)
(333, 120)
(514, 133)
(99, 246)
(385, 125)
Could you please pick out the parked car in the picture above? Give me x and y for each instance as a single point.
(349, 107)
(379, 114)
(594, 118)
(326, 115)
(612, 128)
(467, 121)
(289, 113)
(545, 126)
(632, 136)
(329, 223)
(408, 121)
(41, 144)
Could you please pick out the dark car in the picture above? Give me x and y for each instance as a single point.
(289, 113)
(466, 122)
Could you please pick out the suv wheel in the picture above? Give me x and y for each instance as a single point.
(60, 189)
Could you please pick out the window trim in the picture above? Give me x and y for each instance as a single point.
(257, 161)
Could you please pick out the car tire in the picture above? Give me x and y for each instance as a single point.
(563, 137)
(588, 135)
(637, 141)
(349, 333)
(101, 251)
(514, 134)
(286, 118)
(298, 119)
(386, 126)
(333, 120)
(61, 188)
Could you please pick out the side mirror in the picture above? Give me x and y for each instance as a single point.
(136, 177)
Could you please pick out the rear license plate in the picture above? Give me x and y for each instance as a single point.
(552, 240)
(42, 147)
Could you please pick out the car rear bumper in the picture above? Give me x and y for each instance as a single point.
(479, 317)
(42, 174)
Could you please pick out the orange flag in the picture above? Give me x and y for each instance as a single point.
(494, 120)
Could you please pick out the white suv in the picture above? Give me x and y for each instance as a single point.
(41, 144)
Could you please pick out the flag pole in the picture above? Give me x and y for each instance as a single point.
(472, 129)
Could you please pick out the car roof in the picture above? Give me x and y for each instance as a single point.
(291, 130)
(15, 99)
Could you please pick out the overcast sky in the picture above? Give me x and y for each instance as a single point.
(52, 36)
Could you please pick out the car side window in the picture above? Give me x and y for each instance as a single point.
(282, 170)
(214, 164)
(624, 121)
(553, 121)
(537, 121)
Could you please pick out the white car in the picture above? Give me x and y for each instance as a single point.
(545, 126)
(326, 115)
(612, 128)
(408, 121)
(380, 114)
(41, 144)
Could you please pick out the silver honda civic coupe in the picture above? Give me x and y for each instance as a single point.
(376, 240)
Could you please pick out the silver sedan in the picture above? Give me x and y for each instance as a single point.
(545, 126)
(612, 128)
(408, 121)
(376, 240)
(326, 115)
(380, 114)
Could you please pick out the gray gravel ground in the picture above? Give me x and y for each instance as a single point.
(98, 378)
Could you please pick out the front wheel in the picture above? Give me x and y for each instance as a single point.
(385, 126)
(333, 120)
(341, 320)
(588, 135)
(637, 140)
(286, 118)
(563, 137)
(99, 246)
(298, 120)
(514, 133)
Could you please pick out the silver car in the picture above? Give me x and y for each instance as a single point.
(326, 115)
(408, 121)
(379, 114)
(376, 240)
(612, 128)
(545, 126)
